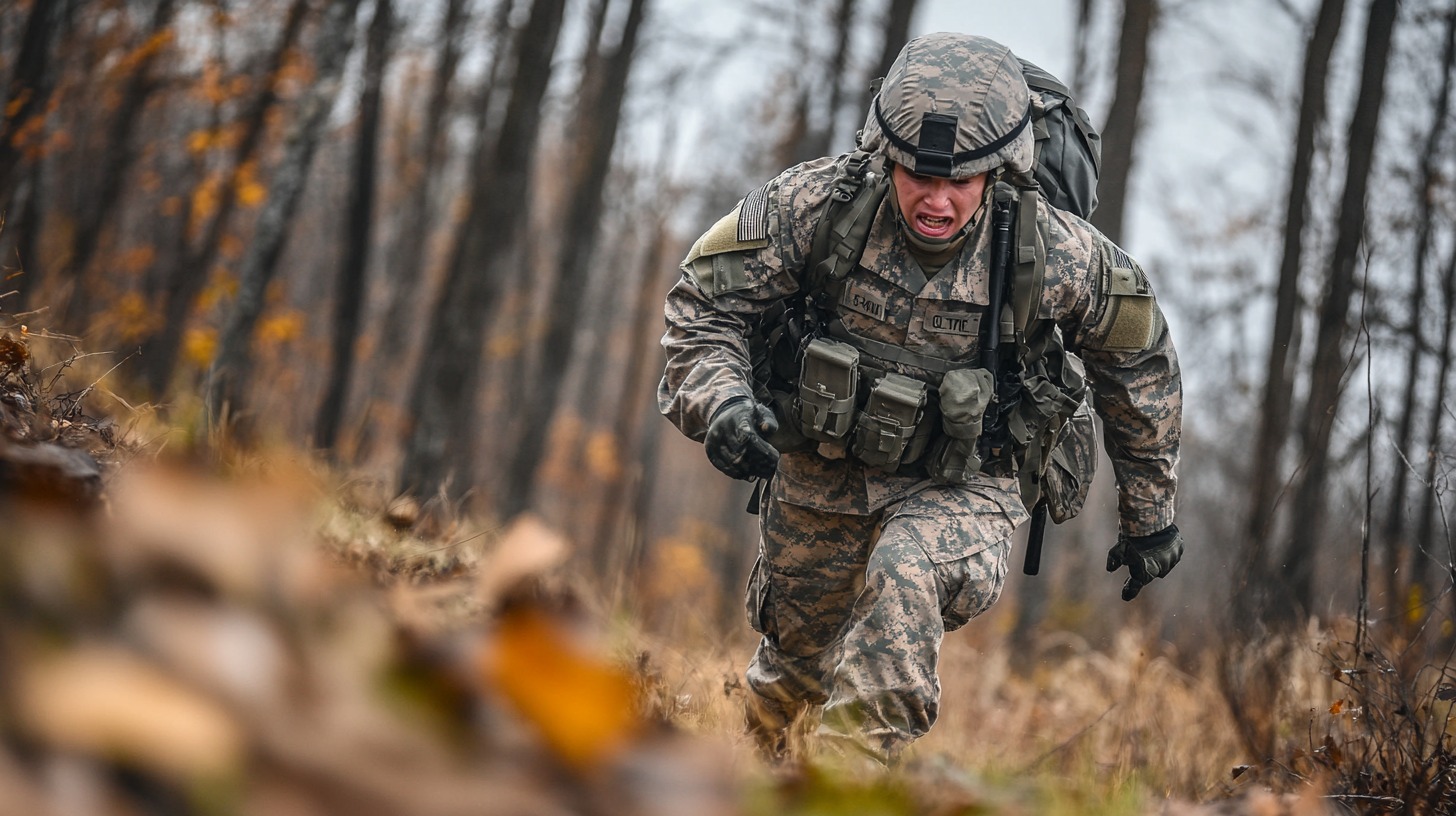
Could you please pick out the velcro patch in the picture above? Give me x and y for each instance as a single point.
(1132, 328)
(948, 321)
(1131, 321)
(864, 301)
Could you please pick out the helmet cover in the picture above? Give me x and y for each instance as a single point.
(954, 106)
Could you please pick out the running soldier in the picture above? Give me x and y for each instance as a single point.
(925, 393)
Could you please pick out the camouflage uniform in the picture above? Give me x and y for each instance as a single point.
(861, 570)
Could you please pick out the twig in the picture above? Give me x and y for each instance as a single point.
(466, 540)
(1070, 740)
(81, 395)
(1370, 419)
(1357, 797)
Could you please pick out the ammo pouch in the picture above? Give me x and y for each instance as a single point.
(965, 393)
(828, 380)
(889, 433)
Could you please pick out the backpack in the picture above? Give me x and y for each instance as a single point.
(1067, 148)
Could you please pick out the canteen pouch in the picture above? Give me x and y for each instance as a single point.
(886, 434)
(828, 379)
(965, 393)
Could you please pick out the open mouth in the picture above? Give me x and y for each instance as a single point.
(932, 226)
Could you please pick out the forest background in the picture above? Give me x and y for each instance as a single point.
(430, 240)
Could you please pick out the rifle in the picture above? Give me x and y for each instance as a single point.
(1002, 220)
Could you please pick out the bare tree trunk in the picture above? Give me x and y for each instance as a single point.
(28, 92)
(349, 293)
(1082, 44)
(21, 126)
(121, 152)
(159, 353)
(1424, 551)
(1119, 136)
(637, 400)
(1266, 473)
(1327, 372)
(407, 276)
(25, 233)
(896, 28)
(231, 372)
(818, 140)
(1429, 180)
(443, 398)
(601, 117)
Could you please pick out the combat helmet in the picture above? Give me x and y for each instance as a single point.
(954, 106)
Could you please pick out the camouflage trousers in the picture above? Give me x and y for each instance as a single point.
(853, 608)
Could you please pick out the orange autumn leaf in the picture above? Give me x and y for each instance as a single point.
(1338, 706)
(603, 458)
(250, 191)
(582, 706)
(199, 346)
(281, 328)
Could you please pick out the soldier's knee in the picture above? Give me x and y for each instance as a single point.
(972, 584)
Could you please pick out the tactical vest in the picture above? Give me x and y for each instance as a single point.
(1003, 417)
(829, 386)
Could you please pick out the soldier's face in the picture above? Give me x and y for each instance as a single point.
(936, 207)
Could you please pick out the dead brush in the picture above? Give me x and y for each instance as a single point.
(1386, 745)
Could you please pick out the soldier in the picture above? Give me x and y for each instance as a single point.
(910, 446)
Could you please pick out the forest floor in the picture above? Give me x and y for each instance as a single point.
(252, 633)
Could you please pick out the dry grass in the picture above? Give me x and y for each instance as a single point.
(1128, 729)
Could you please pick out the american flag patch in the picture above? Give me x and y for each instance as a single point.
(1120, 259)
(753, 216)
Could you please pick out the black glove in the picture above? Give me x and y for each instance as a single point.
(737, 440)
(1146, 557)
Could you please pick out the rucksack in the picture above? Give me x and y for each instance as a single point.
(1068, 148)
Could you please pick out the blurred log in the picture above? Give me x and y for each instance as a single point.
(48, 471)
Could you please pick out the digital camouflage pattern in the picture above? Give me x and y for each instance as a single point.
(853, 620)
(976, 80)
(863, 570)
(1137, 393)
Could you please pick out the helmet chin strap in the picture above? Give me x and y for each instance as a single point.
(931, 252)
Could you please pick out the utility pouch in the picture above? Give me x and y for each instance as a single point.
(886, 433)
(827, 383)
(965, 393)
(1073, 465)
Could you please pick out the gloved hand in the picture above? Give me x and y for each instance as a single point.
(737, 440)
(1146, 557)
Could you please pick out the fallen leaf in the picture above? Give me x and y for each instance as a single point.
(583, 707)
(109, 703)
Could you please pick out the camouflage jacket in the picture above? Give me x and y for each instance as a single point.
(1137, 392)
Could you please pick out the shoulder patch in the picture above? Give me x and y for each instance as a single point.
(716, 260)
(753, 216)
(723, 237)
(1119, 259)
(1130, 320)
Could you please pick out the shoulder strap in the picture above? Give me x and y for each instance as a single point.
(843, 228)
(1030, 260)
